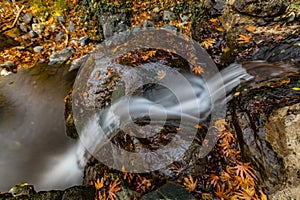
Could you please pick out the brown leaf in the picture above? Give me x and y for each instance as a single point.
(197, 70)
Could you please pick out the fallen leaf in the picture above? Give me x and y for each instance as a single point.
(243, 39)
(208, 42)
(251, 28)
(213, 21)
(197, 70)
(296, 88)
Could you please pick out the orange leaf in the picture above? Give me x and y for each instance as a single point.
(213, 21)
(243, 39)
(251, 28)
(197, 70)
(208, 42)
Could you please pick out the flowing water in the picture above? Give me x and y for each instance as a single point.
(32, 132)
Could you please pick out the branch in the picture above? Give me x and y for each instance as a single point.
(18, 14)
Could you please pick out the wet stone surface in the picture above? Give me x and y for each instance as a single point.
(250, 113)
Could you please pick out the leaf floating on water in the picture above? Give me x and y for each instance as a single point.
(161, 74)
(243, 39)
(198, 126)
(197, 70)
(296, 88)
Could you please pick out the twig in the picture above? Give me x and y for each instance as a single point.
(18, 14)
(67, 32)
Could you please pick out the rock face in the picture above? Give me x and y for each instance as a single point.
(24, 193)
(261, 8)
(265, 120)
(282, 132)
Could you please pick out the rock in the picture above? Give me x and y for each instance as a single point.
(23, 28)
(84, 40)
(61, 19)
(79, 193)
(38, 28)
(62, 56)
(170, 27)
(218, 8)
(288, 49)
(170, 190)
(38, 49)
(285, 124)
(22, 189)
(7, 65)
(27, 18)
(33, 34)
(167, 16)
(112, 24)
(77, 63)
(265, 118)
(7, 42)
(4, 72)
(291, 17)
(184, 18)
(148, 24)
(71, 26)
(59, 36)
(73, 193)
(262, 8)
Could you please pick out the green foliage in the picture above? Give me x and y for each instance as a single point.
(45, 9)
(94, 10)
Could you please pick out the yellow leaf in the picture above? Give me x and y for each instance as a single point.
(198, 126)
(213, 20)
(197, 70)
(262, 195)
(243, 39)
(296, 88)
(219, 29)
(116, 3)
(99, 184)
(209, 42)
(251, 28)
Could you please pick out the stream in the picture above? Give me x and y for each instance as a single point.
(32, 129)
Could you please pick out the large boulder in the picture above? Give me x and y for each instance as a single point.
(261, 8)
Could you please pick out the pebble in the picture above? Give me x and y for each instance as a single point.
(61, 19)
(59, 36)
(33, 34)
(7, 65)
(23, 28)
(27, 18)
(84, 40)
(77, 63)
(38, 49)
(148, 24)
(61, 56)
(71, 26)
(38, 28)
(4, 72)
(168, 15)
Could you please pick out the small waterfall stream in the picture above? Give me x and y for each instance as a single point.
(32, 130)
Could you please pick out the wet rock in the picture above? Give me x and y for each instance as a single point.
(23, 28)
(262, 8)
(260, 135)
(170, 190)
(27, 18)
(38, 49)
(282, 132)
(38, 28)
(61, 19)
(218, 8)
(288, 49)
(72, 193)
(168, 15)
(59, 36)
(148, 24)
(7, 65)
(113, 24)
(62, 56)
(77, 63)
(22, 189)
(7, 42)
(79, 193)
(71, 26)
(84, 40)
(33, 34)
